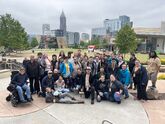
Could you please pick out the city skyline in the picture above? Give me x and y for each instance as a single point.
(82, 16)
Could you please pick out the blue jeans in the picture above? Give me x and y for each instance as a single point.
(125, 91)
(106, 95)
(20, 91)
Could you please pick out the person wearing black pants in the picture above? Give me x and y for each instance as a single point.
(140, 77)
(32, 70)
(88, 88)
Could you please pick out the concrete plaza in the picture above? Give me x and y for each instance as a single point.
(39, 112)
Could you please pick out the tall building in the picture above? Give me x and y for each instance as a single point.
(76, 38)
(63, 23)
(46, 29)
(70, 38)
(73, 38)
(98, 33)
(57, 33)
(85, 37)
(111, 27)
(125, 20)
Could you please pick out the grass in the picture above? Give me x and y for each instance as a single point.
(142, 57)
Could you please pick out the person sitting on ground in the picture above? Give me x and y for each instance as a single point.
(60, 90)
(20, 80)
(102, 89)
(125, 78)
(48, 83)
(114, 89)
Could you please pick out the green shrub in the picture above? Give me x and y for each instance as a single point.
(161, 77)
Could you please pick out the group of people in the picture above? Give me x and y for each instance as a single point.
(104, 76)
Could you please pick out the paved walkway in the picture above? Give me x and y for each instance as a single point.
(156, 108)
(38, 112)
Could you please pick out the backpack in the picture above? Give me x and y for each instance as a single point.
(152, 93)
(49, 98)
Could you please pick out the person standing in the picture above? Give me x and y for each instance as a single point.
(33, 71)
(125, 79)
(153, 67)
(88, 87)
(140, 78)
(131, 65)
(66, 69)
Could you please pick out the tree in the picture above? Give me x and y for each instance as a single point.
(34, 42)
(126, 40)
(83, 44)
(12, 34)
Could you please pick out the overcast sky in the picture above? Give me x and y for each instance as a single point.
(82, 15)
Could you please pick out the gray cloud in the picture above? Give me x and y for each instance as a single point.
(82, 15)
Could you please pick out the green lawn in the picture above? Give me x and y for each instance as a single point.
(142, 57)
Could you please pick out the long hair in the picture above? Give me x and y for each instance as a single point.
(154, 54)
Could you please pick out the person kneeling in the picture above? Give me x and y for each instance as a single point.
(114, 89)
(102, 89)
(20, 80)
(48, 84)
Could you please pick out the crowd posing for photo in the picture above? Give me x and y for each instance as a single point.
(101, 77)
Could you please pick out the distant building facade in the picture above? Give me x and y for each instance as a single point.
(46, 29)
(151, 39)
(76, 38)
(111, 27)
(85, 37)
(73, 38)
(57, 33)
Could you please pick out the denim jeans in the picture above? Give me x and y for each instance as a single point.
(125, 91)
(20, 91)
(105, 96)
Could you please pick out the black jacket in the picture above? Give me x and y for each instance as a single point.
(90, 80)
(101, 86)
(33, 69)
(141, 78)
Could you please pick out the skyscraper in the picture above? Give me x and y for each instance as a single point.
(63, 23)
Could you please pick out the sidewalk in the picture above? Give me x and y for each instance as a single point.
(156, 108)
(39, 112)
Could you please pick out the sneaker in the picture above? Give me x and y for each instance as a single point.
(119, 102)
(126, 97)
(92, 102)
(29, 99)
(73, 99)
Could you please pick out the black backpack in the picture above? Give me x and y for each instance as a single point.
(49, 98)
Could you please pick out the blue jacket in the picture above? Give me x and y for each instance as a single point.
(125, 77)
(63, 68)
(20, 79)
(48, 82)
